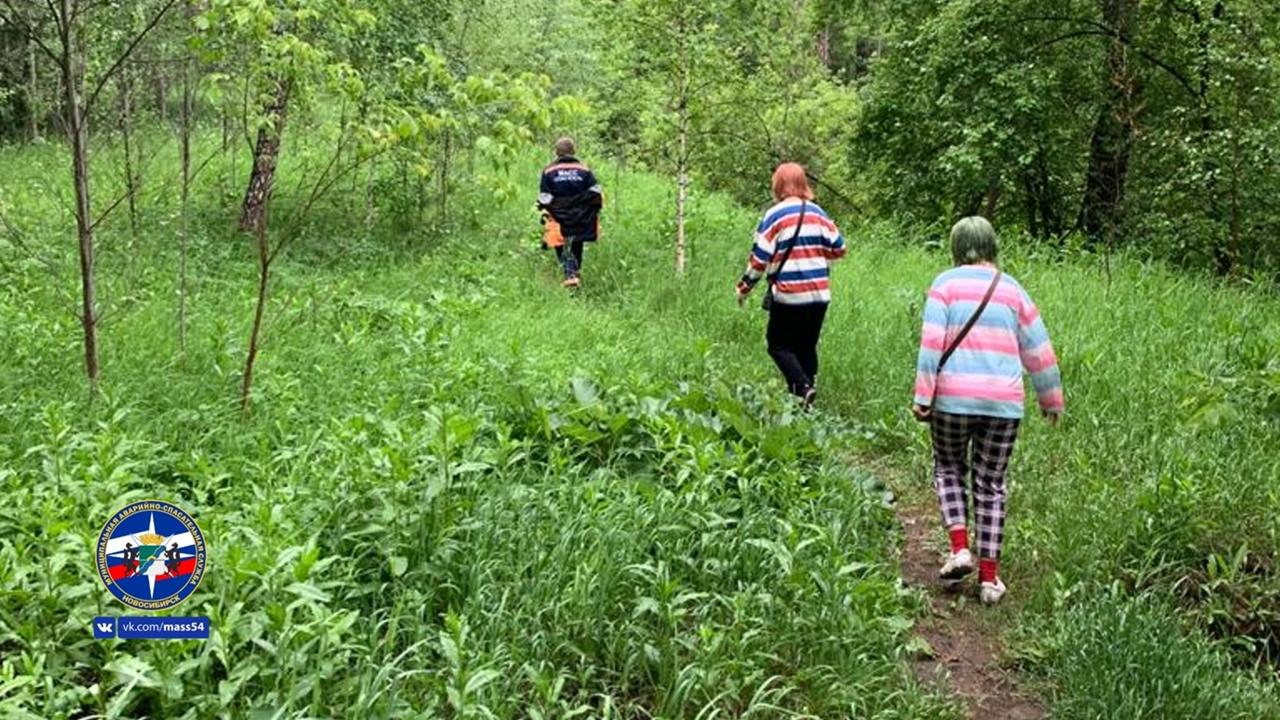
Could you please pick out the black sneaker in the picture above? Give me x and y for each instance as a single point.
(810, 396)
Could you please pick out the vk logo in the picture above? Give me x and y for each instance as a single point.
(104, 627)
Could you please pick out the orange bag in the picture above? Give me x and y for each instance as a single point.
(551, 235)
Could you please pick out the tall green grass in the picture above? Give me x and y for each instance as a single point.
(1163, 478)
(436, 508)
(466, 492)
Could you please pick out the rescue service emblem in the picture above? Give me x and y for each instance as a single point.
(151, 555)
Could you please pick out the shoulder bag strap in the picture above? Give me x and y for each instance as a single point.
(772, 278)
(964, 331)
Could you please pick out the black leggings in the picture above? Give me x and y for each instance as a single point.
(571, 260)
(793, 342)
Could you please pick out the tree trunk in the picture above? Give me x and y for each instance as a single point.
(228, 158)
(185, 229)
(162, 93)
(682, 193)
(1210, 167)
(1105, 178)
(445, 157)
(682, 157)
(78, 134)
(126, 131)
(1029, 204)
(368, 199)
(1048, 198)
(33, 112)
(1237, 163)
(264, 269)
(253, 215)
(991, 200)
(1114, 130)
(1044, 218)
(369, 182)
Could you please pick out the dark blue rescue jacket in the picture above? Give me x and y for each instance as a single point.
(569, 192)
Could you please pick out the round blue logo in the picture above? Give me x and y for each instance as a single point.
(151, 555)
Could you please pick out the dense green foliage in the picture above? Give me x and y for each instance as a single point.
(999, 107)
(458, 491)
(1095, 122)
(455, 474)
(1151, 125)
(435, 508)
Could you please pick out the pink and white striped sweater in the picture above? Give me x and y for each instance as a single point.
(984, 375)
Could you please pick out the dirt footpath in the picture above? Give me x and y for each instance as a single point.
(966, 657)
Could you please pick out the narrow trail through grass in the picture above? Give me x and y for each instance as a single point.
(602, 503)
(1091, 512)
(606, 321)
(964, 653)
(965, 657)
(1133, 493)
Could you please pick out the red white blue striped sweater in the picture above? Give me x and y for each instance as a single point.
(805, 280)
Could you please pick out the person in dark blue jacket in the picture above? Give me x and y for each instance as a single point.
(572, 197)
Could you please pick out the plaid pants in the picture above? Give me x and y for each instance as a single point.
(989, 442)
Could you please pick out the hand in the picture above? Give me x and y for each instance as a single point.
(922, 412)
(1052, 416)
(741, 295)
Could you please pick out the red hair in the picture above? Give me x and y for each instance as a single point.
(789, 180)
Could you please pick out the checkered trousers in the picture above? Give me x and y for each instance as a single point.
(985, 444)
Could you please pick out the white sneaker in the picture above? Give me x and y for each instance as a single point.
(809, 396)
(957, 566)
(992, 592)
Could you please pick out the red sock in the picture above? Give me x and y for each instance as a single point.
(959, 538)
(987, 569)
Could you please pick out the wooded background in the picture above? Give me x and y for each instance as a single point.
(1082, 125)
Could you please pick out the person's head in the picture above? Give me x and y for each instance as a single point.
(973, 240)
(173, 546)
(789, 180)
(128, 546)
(564, 146)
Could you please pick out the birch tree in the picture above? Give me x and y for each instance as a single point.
(56, 29)
(677, 50)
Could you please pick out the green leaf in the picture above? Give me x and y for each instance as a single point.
(307, 591)
(584, 391)
(480, 679)
(130, 670)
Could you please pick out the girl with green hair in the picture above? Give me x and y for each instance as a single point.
(981, 332)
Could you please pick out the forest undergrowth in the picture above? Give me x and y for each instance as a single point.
(464, 492)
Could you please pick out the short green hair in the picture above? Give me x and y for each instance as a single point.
(973, 240)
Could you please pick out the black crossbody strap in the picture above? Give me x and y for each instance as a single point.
(772, 278)
(973, 320)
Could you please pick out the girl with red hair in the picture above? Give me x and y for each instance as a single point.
(794, 246)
